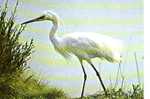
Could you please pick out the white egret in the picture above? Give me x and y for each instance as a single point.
(83, 45)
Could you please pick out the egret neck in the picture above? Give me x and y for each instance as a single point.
(52, 37)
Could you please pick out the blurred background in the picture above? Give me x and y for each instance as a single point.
(122, 19)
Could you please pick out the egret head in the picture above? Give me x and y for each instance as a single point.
(47, 15)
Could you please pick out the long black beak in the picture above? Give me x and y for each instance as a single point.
(33, 20)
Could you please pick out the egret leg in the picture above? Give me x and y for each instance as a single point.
(99, 77)
(85, 77)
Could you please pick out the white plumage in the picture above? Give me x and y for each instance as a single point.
(83, 45)
(90, 45)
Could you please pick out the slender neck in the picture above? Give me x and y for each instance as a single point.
(52, 32)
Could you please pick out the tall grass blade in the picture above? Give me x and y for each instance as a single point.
(137, 68)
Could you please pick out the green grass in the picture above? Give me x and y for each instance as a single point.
(32, 88)
(118, 93)
(16, 82)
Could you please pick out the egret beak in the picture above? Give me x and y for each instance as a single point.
(34, 20)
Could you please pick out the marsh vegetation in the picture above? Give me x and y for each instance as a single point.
(17, 80)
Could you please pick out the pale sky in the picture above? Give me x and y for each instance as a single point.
(122, 19)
